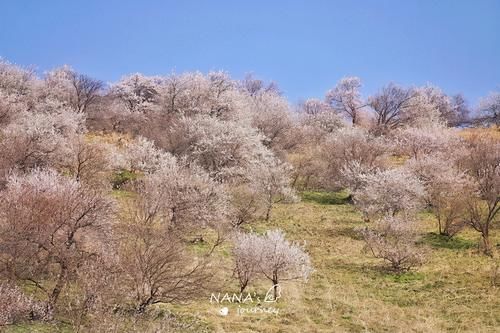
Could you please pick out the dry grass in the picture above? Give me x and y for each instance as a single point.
(350, 291)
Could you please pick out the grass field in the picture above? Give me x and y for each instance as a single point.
(349, 290)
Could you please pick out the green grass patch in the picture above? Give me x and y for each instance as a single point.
(406, 277)
(326, 198)
(122, 177)
(445, 242)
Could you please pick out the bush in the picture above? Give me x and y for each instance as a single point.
(394, 240)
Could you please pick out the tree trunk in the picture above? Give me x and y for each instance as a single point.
(275, 286)
(486, 243)
(268, 212)
(243, 286)
(54, 296)
(269, 207)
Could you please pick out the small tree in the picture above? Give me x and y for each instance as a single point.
(155, 266)
(247, 253)
(271, 256)
(272, 181)
(283, 260)
(393, 240)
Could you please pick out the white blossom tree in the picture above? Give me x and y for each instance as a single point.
(389, 192)
(137, 93)
(345, 98)
(247, 254)
(272, 181)
(276, 258)
(39, 138)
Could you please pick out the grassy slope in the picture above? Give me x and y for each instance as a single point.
(350, 292)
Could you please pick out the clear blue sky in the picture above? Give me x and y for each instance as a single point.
(305, 46)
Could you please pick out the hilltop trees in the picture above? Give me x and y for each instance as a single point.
(345, 98)
(390, 105)
(78, 91)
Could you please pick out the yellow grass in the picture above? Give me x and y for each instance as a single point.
(350, 291)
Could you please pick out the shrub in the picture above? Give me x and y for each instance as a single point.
(394, 240)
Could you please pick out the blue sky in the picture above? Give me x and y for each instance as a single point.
(305, 46)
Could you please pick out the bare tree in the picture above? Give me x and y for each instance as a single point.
(50, 225)
(78, 90)
(156, 267)
(389, 106)
(254, 86)
(172, 202)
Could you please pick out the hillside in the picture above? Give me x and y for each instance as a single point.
(350, 291)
